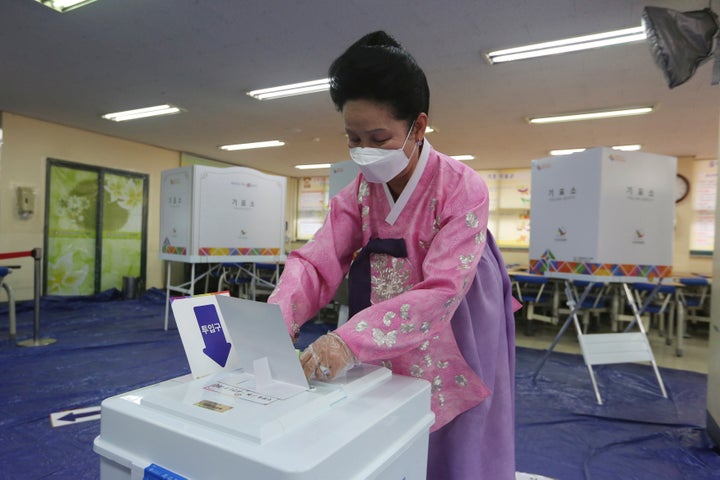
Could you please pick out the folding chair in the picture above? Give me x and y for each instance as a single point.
(607, 348)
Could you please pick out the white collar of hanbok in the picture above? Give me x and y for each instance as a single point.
(396, 208)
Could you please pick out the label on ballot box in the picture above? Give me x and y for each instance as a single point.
(603, 212)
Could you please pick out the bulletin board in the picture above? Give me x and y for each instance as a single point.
(703, 192)
(492, 180)
(509, 205)
(515, 189)
(313, 202)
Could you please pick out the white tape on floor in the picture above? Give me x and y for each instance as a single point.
(70, 417)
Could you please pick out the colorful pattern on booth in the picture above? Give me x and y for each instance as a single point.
(548, 264)
(224, 251)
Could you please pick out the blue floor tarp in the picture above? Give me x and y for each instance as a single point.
(106, 346)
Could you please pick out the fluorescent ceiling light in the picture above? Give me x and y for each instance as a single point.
(627, 148)
(463, 158)
(249, 146)
(566, 151)
(63, 6)
(566, 45)
(141, 113)
(291, 90)
(312, 166)
(573, 117)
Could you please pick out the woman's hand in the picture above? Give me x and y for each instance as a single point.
(327, 357)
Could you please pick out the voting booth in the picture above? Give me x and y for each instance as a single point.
(341, 175)
(247, 411)
(604, 216)
(212, 215)
(603, 212)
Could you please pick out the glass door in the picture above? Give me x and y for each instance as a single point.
(96, 223)
(123, 233)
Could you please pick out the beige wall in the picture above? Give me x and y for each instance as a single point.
(27, 143)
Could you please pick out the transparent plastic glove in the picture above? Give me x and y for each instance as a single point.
(327, 357)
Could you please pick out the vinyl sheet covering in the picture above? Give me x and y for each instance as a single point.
(107, 345)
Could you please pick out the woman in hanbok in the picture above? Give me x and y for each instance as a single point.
(429, 295)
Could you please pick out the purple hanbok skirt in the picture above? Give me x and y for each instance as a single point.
(479, 444)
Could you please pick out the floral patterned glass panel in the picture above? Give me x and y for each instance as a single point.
(72, 218)
(122, 219)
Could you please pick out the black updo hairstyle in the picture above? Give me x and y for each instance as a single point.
(377, 68)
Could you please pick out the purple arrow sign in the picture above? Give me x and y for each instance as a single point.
(216, 346)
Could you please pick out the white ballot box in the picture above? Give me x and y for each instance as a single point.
(603, 212)
(368, 424)
(247, 411)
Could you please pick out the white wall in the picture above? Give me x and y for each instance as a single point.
(27, 144)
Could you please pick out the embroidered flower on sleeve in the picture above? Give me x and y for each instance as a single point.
(437, 384)
(465, 261)
(441, 399)
(405, 311)
(361, 326)
(425, 327)
(387, 339)
(425, 345)
(416, 371)
(471, 220)
(480, 237)
(388, 318)
(407, 327)
(441, 364)
(461, 380)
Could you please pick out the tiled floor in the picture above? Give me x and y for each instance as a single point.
(694, 358)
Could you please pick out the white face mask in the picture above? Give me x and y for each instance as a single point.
(380, 165)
